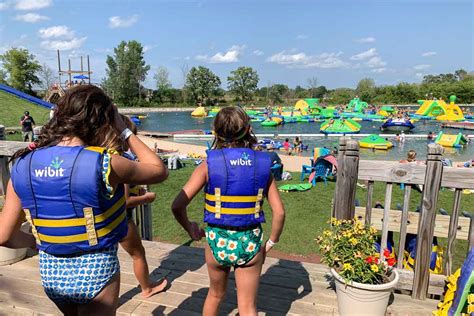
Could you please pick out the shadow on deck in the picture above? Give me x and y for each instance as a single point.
(287, 287)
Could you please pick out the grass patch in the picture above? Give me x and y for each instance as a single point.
(12, 109)
(307, 212)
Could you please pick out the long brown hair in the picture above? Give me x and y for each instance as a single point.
(85, 111)
(232, 129)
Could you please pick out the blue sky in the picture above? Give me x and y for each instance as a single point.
(339, 42)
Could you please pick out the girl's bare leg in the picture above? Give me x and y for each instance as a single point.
(218, 276)
(133, 245)
(247, 279)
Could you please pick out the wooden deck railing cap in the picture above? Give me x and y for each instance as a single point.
(435, 152)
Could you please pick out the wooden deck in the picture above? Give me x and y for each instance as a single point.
(287, 288)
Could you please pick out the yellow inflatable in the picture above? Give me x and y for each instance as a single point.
(453, 112)
(200, 111)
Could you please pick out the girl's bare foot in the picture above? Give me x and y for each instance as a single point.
(156, 287)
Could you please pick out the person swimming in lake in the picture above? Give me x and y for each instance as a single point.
(233, 210)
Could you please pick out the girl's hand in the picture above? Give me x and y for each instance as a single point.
(195, 232)
(118, 123)
(268, 247)
(149, 197)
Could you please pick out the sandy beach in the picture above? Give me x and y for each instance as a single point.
(291, 163)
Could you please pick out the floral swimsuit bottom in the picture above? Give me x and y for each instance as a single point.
(234, 247)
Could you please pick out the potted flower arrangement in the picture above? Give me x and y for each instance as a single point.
(363, 281)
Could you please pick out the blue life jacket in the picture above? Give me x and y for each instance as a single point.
(237, 183)
(63, 196)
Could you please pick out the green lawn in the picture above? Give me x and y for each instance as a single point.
(12, 108)
(307, 212)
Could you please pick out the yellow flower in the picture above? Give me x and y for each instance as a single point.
(373, 230)
(374, 268)
(347, 266)
(347, 234)
(353, 241)
(327, 233)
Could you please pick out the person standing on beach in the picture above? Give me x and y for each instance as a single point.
(72, 195)
(27, 124)
(233, 210)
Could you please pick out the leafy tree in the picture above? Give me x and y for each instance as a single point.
(21, 69)
(278, 92)
(366, 89)
(201, 85)
(319, 92)
(300, 92)
(243, 83)
(163, 84)
(126, 70)
(341, 95)
(3, 77)
(46, 75)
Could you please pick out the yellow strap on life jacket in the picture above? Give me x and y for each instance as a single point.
(90, 226)
(258, 203)
(230, 211)
(217, 208)
(134, 190)
(98, 149)
(70, 222)
(235, 198)
(409, 262)
(83, 237)
(33, 228)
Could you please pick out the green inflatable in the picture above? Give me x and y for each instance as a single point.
(295, 187)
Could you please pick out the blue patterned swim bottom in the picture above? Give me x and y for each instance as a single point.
(77, 279)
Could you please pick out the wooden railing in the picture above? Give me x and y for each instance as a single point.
(142, 214)
(426, 224)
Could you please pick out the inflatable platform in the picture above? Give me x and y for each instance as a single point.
(375, 142)
(449, 140)
(342, 126)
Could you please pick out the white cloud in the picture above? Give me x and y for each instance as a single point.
(4, 5)
(419, 75)
(375, 62)
(56, 31)
(428, 54)
(365, 40)
(421, 67)
(302, 37)
(301, 60)
(31, 17)
(379, 70)
(365, 55)
(147, 48)
(32, 4)
(231, 56)
(121, 22)
(73, 43)
(258, 52)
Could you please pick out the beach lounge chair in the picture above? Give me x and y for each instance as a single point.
(317, 152)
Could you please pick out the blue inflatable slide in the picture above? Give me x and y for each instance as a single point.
(25, 96)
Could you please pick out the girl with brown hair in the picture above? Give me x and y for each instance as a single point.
(236, 179)
(72, 194)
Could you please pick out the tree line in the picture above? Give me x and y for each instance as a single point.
(127, 70)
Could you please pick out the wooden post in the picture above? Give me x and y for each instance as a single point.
(4, 168)
(432, 185)
(403, 224)
(346, 184)
(69, 72)
(386, 215)
(59, 69)
(88, 69)
(147, 222)
(453, 227)
(340, 163)
(368, 206)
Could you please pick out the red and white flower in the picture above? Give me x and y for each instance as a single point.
(221, 243)
(250, 247)
(232, 257)
(221, 255)
(211, 235)
(232, 245)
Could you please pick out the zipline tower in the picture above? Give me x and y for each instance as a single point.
(86, 73)
(57, 90)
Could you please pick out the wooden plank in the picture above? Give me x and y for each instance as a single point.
(441, 227)
(8, 148)
(340, 167)
(386, 215)
(431, 187)
(453, 228)
(390, 171)
(403, 224)
(368, 207)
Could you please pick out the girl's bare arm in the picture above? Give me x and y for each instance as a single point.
(278, 211)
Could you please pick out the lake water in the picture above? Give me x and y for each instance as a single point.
(179, 121)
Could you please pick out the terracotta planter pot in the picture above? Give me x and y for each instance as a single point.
(363, 299)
